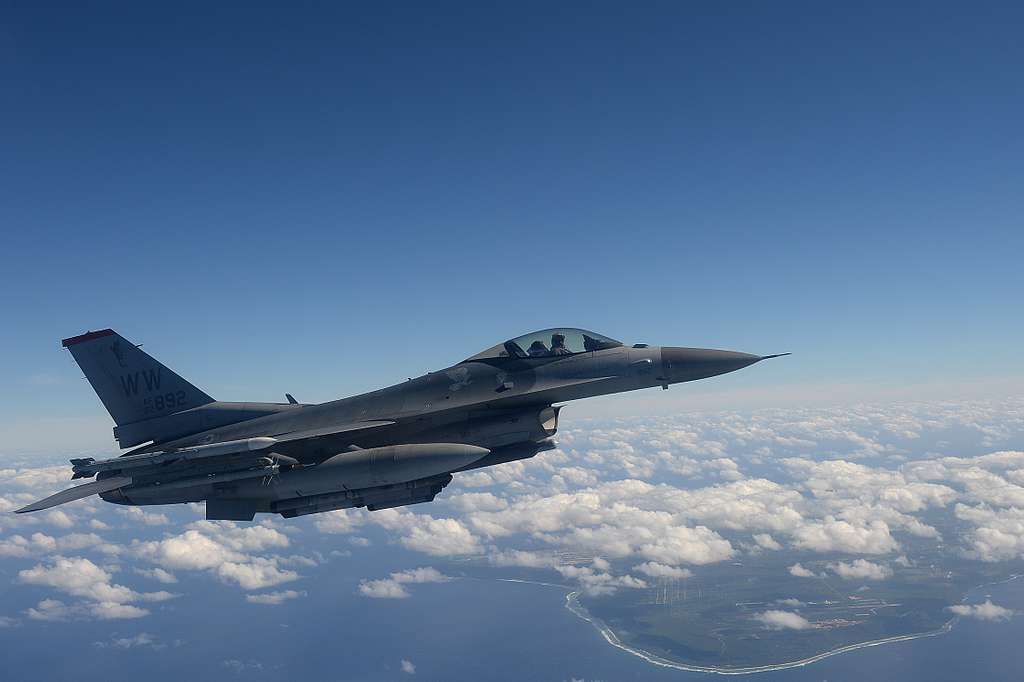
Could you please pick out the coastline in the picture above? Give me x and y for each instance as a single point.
(577, 609)
(573, 604)
(580, 611)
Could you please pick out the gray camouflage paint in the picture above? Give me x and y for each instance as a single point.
(393, 446)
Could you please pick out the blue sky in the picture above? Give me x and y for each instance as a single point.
(325, 199)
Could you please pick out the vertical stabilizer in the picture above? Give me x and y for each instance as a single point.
(132, 385)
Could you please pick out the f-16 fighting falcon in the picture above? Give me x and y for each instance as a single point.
(388, 448)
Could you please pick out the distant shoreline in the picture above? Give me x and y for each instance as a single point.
(573, 605)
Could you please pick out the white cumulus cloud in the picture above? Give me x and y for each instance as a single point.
(656, 570)
(393, 587)
(783, 620)
(860, 569)
(800, 572)
(273, 598)
(984, 611)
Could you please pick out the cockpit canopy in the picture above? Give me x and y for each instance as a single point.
(548, 343)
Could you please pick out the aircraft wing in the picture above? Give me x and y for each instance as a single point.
(198, 464)
(77, 493)
(328, 431)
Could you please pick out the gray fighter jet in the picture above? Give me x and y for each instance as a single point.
(388, 448)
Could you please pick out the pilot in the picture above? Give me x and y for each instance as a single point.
(558, 345)
(537, 349)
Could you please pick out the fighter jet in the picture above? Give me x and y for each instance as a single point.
(392, 447)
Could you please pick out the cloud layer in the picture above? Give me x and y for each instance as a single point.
(620, 505)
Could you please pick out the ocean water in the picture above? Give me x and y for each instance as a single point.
(465, 629)
(528, 634)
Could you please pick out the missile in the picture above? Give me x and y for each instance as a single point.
(89, 467)
(261, 473)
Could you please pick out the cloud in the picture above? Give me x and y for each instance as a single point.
(59, 518)
(766, 541)
(36, 479)
(39, 544)
(997, 535)
(599, 582)
(191, 550)
(141, 640)
(55, 610)
(240, 667)
(783, 620)
(656, 570)
(613, 520)
(222, 548)
(138, 515)
(984, 611)
(255, 574)
(408, 667)
(112, 610)
(80, 578)
(839, 482)
(49, 609)
(526, 559)
(679, 544)
(383, 589)
(158, 574)
(817, 480)
(340, 521)
(860, 569)
(255, 538)
(300, 560)
(423, 533)
(833, 535)
(393, 586)
(470, 502)
(791, 603)
(800, 572)
(273, 598)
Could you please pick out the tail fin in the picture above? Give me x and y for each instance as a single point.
(132, 385)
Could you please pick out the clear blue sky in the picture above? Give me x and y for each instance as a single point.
(327, 198)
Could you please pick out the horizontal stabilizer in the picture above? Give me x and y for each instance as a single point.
(77, 493)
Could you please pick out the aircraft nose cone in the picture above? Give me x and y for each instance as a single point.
(689, 364)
